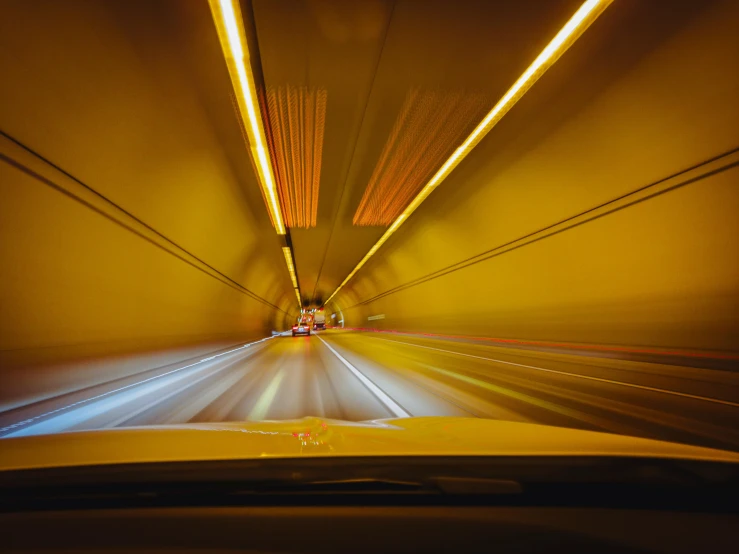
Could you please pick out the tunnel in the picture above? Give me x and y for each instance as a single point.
(175, 202)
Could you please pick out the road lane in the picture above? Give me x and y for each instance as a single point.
(514, 380)
(284, 378)
(363, 376)
(389, 403)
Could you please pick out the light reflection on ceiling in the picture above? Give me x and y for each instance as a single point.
(430, 125)
(297, 118)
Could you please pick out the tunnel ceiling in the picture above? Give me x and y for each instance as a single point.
(384, 91)
(402, 83)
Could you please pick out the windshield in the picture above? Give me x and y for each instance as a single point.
(356, 228)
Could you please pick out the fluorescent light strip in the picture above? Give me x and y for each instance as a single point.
(227, 17)
(290, 266)
(581, 20)
(291, 269)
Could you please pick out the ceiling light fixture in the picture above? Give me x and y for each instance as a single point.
(287, 252)
(290, 266)
(581, 20)
(429, 126)
(297, 117)
(227, 17)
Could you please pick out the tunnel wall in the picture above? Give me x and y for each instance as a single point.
(82, 280)
(78, 269)
(132, 227)
(617, 224)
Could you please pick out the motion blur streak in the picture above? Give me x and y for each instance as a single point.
(85, 412)
(360, 376)
(735, 404)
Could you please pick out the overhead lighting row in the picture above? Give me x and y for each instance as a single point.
(581, 20)
(229, 24)
(287, 252)
(290, 266)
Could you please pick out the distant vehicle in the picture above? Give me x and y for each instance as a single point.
(319, 322)
(302, 327)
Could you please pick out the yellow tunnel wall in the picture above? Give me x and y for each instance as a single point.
(508, 247)
(81, 277)
(136, 111)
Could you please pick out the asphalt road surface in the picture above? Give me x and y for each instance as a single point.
(365, 376)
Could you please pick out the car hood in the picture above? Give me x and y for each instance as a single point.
(421, 436)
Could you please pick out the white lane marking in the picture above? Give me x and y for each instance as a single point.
(643, 387)
(389, 403)
(86, 400)
(265, 401)
(86, 412)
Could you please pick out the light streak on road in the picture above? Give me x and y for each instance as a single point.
(265, 401)
(83, 413)
(359, 376)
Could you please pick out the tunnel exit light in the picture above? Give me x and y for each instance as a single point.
(227, 17)
(578, 23)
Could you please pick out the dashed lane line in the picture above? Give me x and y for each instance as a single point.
(265, 401)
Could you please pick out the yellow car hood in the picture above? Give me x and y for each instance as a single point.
(421, 436)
